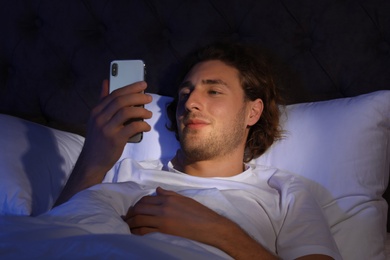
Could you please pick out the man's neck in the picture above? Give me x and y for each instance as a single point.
(224, 166)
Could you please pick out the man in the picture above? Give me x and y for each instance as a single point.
(225, 115)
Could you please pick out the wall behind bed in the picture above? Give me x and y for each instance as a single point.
(54, 53)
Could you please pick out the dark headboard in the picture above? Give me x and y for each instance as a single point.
(54, 54)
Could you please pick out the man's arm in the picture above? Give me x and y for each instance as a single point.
(171, 213)
(174, 214)
(107, 135)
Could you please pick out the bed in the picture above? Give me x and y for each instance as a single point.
(333, 58)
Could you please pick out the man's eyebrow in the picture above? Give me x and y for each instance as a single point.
(188, 84)
(214, 82)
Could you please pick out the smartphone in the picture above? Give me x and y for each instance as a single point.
(123, 73)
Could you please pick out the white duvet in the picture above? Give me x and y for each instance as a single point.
(90, 226)
(56, 241)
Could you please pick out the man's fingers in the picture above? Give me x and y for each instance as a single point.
(125, 114)
(141, 224)
(131, 88)
(148, 205)
(163, 192)
(143, 230)
(105, 89)
(113, 105)
(126, 92)
(151, 205)
(141, 221)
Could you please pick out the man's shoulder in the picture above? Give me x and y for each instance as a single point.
(279, 178)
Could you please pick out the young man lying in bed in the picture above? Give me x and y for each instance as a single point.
(225, 114)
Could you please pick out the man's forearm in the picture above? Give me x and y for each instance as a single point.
(83, 176)
(238, 244)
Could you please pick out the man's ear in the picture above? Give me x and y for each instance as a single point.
(256, 109)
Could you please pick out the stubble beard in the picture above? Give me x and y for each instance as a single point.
(216, 144)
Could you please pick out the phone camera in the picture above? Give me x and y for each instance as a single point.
(114, 69)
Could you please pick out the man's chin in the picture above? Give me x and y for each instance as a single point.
(193, 136)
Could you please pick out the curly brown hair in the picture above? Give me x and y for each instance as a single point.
(257, 81)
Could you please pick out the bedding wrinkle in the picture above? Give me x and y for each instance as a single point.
(245, 199)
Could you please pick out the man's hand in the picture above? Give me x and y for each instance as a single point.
(107, 135)
(170, 213)
(174, 214)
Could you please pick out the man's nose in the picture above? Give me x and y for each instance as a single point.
(194, 101)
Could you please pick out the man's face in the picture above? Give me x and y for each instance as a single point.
(211, 113)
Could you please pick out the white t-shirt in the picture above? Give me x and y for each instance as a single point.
(274, 207)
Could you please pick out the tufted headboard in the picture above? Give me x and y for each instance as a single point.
(54, 54)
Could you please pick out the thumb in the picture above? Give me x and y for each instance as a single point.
(105, 89)
(161, 191)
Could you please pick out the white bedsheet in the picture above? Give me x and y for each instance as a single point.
(387, 246)
(90, 226)
(35, 239)
(67, 228)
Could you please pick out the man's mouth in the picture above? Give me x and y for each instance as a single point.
(195, 123)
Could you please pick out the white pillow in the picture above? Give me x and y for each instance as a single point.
(342, 147)
(159, 143)
(35, 162)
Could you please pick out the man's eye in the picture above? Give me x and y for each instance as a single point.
(214, 92)
(184, 93)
